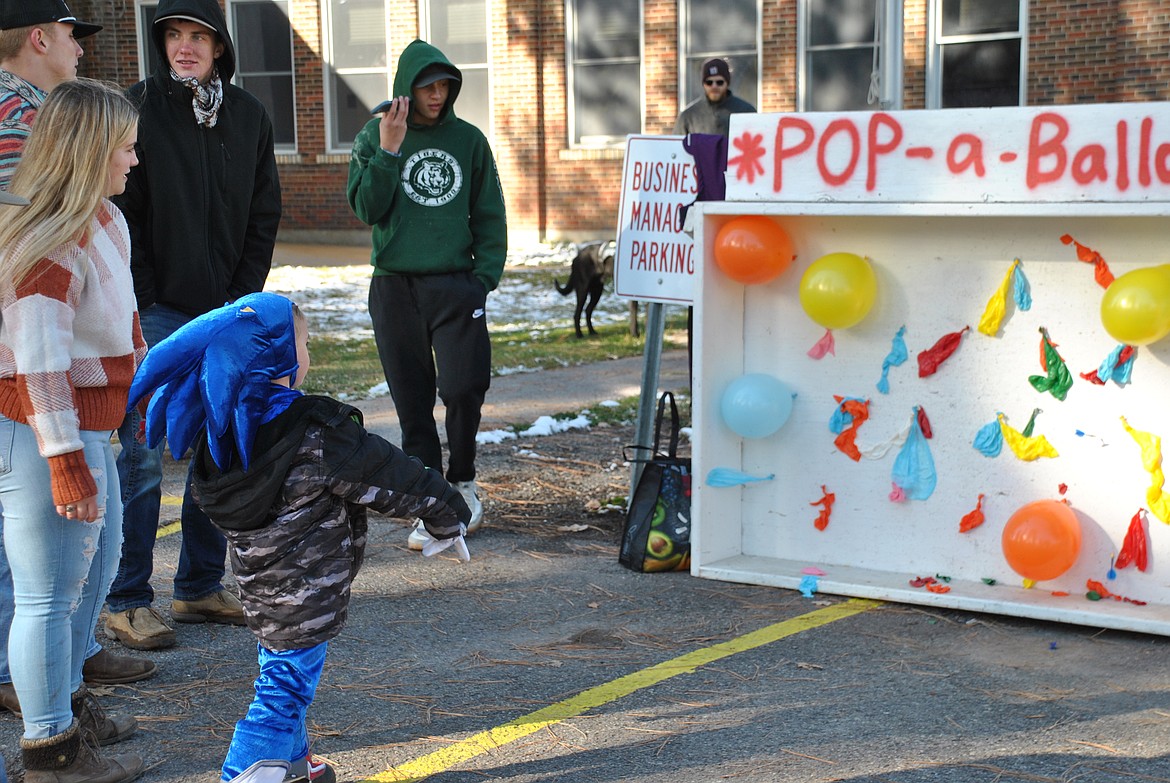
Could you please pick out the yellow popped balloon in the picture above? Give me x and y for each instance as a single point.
(1135, 309)
(838, 290)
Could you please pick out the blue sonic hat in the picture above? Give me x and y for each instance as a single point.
(215, 371)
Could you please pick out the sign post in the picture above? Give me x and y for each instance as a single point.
(654, 261)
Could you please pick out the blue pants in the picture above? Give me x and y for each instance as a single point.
(203, 550)
(274, 727)
(61, 569)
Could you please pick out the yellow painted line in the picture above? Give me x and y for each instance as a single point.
(487, 741)
(171, 528)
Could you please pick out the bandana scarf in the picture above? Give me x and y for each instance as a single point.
(206, 98)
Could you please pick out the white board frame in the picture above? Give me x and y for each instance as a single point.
(763, 533)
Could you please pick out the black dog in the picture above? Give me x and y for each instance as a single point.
(592, 267)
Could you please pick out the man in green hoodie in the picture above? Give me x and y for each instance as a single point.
(426, 182)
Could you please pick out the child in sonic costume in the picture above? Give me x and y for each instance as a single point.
(287, 477)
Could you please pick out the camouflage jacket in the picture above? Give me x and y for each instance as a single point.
(296, 520)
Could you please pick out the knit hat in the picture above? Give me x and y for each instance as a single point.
(25, 13)
(716, 66)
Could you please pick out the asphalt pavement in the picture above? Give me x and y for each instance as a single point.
(544, 660)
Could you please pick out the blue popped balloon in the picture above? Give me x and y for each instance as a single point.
(989, 439)
(1123, 371)
(1113, 370)
(914, 466)
(729, 477)
(1021, 289)
(808, 585)
(756, 405)
(897, 355)
(841, 419)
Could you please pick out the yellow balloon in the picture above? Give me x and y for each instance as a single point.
(1136, 307)
(838, 290)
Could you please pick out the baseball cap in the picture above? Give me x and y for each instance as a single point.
(24, 13)
(12, 199)
(433, 73)
(185, 17)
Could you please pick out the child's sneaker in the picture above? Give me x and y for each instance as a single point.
(417, 538)
(266, 771)
(468, 490)
(310, 769)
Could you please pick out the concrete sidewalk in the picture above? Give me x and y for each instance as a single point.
(524, 397)
(293, 254)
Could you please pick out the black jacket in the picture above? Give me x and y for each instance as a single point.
(296, 519)
(203, 204)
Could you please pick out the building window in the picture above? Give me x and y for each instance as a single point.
(604, 50)
(357, 69)
(263, 63)
(850, 54)
(977, 55)
(147, 54)
(840, 54)
(720, 28)
(459, 28)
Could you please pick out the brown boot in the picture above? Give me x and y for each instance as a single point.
(107, 729)
(219, 607)
(140, 628)
(8, 698)
(105, 668)
(65, 758)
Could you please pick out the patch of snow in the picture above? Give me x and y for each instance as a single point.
(494, 436)
(547, 425)
(515, 370)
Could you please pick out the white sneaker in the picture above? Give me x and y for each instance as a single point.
(417, 538)
(468, 490)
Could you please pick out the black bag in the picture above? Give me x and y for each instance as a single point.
(657, 532)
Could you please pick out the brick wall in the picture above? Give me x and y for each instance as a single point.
(914, 55)
(778, 66)
(1088, 51)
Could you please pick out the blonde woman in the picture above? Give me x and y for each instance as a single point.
(69, 346)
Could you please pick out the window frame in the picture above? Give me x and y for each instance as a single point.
(332, 145)
(936, 41)
(280, 149)
(145, 45)
(424, 24)
(889, 28)
(686, 73)
(571, 77)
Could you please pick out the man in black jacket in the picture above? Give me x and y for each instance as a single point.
(203, 207)
(712, 113)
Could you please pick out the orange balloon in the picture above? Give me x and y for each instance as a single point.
(1042, 540)
(752, 249)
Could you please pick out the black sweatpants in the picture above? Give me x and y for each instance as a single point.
(431, 332)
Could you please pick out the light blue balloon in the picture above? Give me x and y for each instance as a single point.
(756, 405)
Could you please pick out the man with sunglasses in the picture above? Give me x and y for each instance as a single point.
(712, 113)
